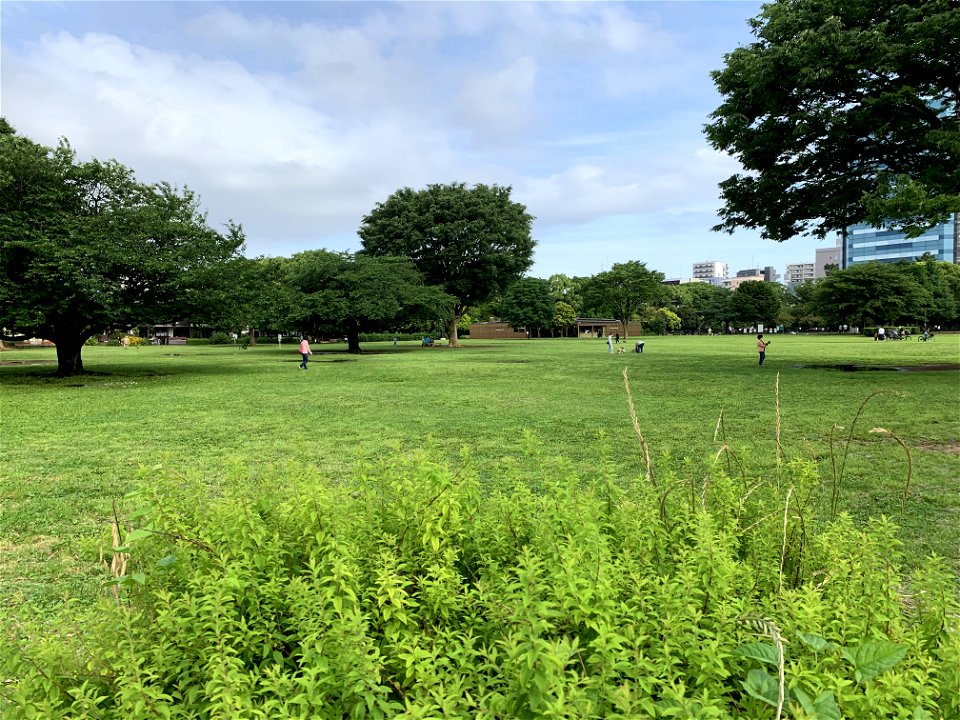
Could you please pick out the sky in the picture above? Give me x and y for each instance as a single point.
(295, 119)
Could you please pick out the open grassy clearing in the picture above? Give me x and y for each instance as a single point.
(70, 447)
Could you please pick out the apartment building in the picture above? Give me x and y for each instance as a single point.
(799, 273)
(710, 269)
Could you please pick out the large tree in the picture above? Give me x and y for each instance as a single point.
(624, 291)
(868, 293)
(564, 317)
(244, 294)
(842, 111)
(472, 241)
(799, 303)
(354, 293)
(567, 290)
(528, 303)
(85, 248)
(755, 302)
(941, 281)
(700, 306)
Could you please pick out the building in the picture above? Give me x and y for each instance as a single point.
(739, 280)
(496, 329)
(601, 327)
(710, 269)
(767, 274)
(826, 257)
(799, 273)
(865, 243)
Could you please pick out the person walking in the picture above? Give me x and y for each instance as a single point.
(610, 342)
(762, 348)
(305, 352)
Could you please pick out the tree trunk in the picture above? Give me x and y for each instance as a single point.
(69, 362)
(253, 337)
(353, 342)
(452, 334)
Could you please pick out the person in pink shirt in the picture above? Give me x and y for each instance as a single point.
(762, 348)
(305, 352)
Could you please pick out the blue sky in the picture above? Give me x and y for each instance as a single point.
(296, 118)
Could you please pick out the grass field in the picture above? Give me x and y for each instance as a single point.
(71, 447)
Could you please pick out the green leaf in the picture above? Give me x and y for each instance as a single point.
(815, 642)
(920, 714)
(760, 685)
(139, 578)
(138, 534)
(166, 561)
(824, 708)
(761, 652)
(873, 657)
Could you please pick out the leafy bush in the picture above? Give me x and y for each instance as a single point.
(220, 338)
(415, 590)
(388, 337)
(198, 341)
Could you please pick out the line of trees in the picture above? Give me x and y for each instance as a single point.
(85, 249)
(921, 293)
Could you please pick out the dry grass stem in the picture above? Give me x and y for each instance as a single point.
(636, 429)
(770, 629)
(906, 485)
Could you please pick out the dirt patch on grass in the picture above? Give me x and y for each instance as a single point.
(894, 368)
(950, 448)
(28, 362)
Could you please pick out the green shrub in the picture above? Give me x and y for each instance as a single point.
(198, 341)
(524, 590)
(388, 337)
(220, 338)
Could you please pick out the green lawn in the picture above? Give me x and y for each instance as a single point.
(71, 447)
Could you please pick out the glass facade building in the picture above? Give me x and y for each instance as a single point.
(865, 243)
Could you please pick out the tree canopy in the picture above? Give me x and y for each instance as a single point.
(842, 111)
(564, 317)
(245, 294)
(529, 304)
(353, 293)
(85, 248)
(624, 291)
(472, 241)
(940, 281)
(701, 306)
(756, 302)
(867, 293)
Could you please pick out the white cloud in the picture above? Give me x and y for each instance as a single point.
(497, 107)
(295, 119)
